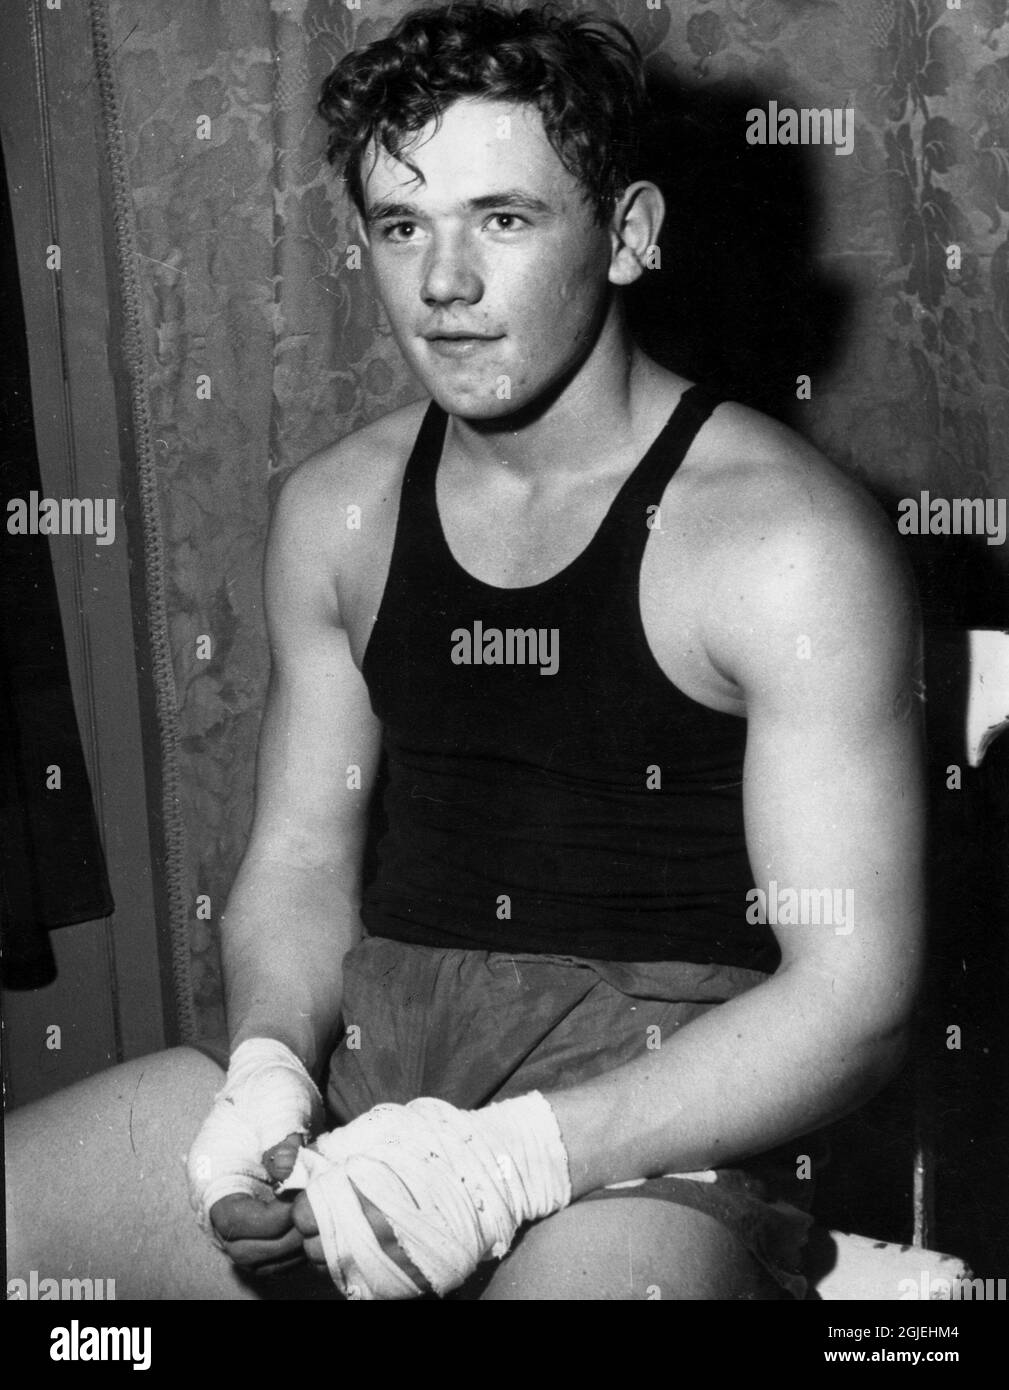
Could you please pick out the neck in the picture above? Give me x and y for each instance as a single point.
(589, 415)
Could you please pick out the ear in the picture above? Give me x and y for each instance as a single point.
(634, 231)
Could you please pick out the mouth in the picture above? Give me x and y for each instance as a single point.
(458, 344)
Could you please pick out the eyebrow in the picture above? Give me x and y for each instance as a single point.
(510, 197)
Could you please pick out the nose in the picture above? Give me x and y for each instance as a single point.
(451, 271)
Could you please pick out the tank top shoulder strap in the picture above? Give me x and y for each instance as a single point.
(619, 544)
(426, 451)
(652, 476)
(418, 532)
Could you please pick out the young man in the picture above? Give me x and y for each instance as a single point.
(634, 653)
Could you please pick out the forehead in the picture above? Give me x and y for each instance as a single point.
(477, 147)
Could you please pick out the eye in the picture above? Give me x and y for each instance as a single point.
(508, 221)
(398, 231)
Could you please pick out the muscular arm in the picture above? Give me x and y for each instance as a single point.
(293, 910)
(833, 799)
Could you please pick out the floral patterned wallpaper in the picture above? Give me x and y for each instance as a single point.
(264, 344)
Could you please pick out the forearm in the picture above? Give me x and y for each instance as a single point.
(286, 930)
(752, 1073)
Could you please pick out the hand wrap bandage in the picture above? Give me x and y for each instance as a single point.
(268, 1095)
(454, 1185)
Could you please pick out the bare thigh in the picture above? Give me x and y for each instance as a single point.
(96, 1185)
(630, 1249)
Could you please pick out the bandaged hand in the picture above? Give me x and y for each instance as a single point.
(267, 1097)
(453, 1185)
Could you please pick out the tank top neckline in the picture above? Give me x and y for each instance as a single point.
(428, 452)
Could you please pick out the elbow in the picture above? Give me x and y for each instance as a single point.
(880, 1026)
(892, 1050)
(880, 1055)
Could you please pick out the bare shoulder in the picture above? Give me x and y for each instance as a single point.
(334, 520)
(796, 549)
(780, 485)
(363, 467)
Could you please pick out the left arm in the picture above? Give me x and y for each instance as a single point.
(833, 799)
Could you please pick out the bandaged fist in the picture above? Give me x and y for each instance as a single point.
(308, 1228)
(268, 1099)
(258, 1234)
(427, 1190)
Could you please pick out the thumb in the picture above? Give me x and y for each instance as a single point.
(279, 1160)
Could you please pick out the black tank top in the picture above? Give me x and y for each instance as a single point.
(549, 788)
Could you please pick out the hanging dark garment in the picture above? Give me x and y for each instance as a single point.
(52, 867)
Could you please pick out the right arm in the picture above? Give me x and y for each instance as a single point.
(293, 910)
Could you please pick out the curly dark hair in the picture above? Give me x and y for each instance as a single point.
(583, 74)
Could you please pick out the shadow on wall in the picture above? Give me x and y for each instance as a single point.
(742, 301)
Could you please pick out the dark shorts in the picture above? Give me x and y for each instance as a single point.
(471, 1027)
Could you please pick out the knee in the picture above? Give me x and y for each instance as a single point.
(629, 1250)
(83, 1159)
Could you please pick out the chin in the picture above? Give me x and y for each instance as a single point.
(467, 407)
(471, 403)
